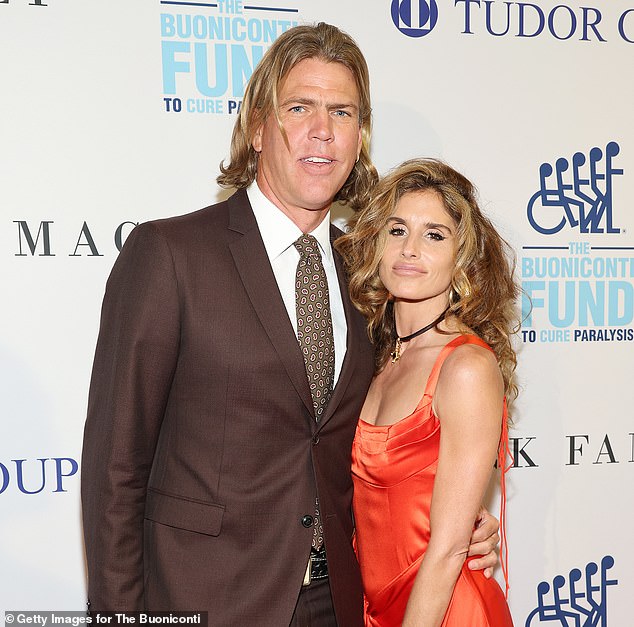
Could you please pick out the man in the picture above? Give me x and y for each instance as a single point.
(211, 464)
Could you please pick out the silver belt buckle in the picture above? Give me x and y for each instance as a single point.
(306, 581)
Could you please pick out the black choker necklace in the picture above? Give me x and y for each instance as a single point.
(396, 353)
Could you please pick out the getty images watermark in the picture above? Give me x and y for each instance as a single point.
(105, 619)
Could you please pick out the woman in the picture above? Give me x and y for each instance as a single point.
(430, 273)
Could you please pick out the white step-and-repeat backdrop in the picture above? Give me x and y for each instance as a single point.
(115, 112)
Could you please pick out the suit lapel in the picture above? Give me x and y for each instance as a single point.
(352, 324)
(259, 282)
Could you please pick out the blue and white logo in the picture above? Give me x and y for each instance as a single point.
(29, 477)
(571, 291)
(577, 193)
(415, 18)
(209, 51)
(578, 600)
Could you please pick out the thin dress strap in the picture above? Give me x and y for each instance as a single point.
(430, 388)
(505, 463)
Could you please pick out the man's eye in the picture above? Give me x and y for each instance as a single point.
(297, 109)
(342, 114)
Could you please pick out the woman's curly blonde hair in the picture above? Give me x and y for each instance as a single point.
(483, 290)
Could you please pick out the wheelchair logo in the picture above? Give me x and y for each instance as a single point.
(578, 601)
(415, 18)
(578, 194)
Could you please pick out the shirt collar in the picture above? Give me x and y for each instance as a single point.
(279, 232)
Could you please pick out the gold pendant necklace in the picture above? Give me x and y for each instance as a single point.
(396, 353)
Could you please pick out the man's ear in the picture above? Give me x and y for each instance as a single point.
(256, 142)
(258, 125)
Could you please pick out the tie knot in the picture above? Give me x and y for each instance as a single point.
(307, 245)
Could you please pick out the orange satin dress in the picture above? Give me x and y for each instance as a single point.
(393, 470)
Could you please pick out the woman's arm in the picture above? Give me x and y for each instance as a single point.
(469, 404)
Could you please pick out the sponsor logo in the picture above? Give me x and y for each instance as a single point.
(578, 599)
(577, 291)
(209, 51)
(37, 239)
(582, 448)
(525, 20)
(414, 18)
(34, 3)
(577, 449)
(33, 476)
(577, 193)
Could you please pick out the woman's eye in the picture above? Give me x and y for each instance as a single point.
(436, 236)
(397, 231)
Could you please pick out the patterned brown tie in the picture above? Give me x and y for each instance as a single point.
(314, 322)
(315, 336)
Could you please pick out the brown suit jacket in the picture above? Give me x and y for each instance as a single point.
(201, 452)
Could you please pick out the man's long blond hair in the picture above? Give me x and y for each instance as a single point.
(326, 43)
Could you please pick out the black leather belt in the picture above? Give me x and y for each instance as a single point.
(317, 567)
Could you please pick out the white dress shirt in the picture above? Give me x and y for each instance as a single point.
(279, 233)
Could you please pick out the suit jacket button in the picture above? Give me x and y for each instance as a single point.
(315, 439)
(307, 521)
